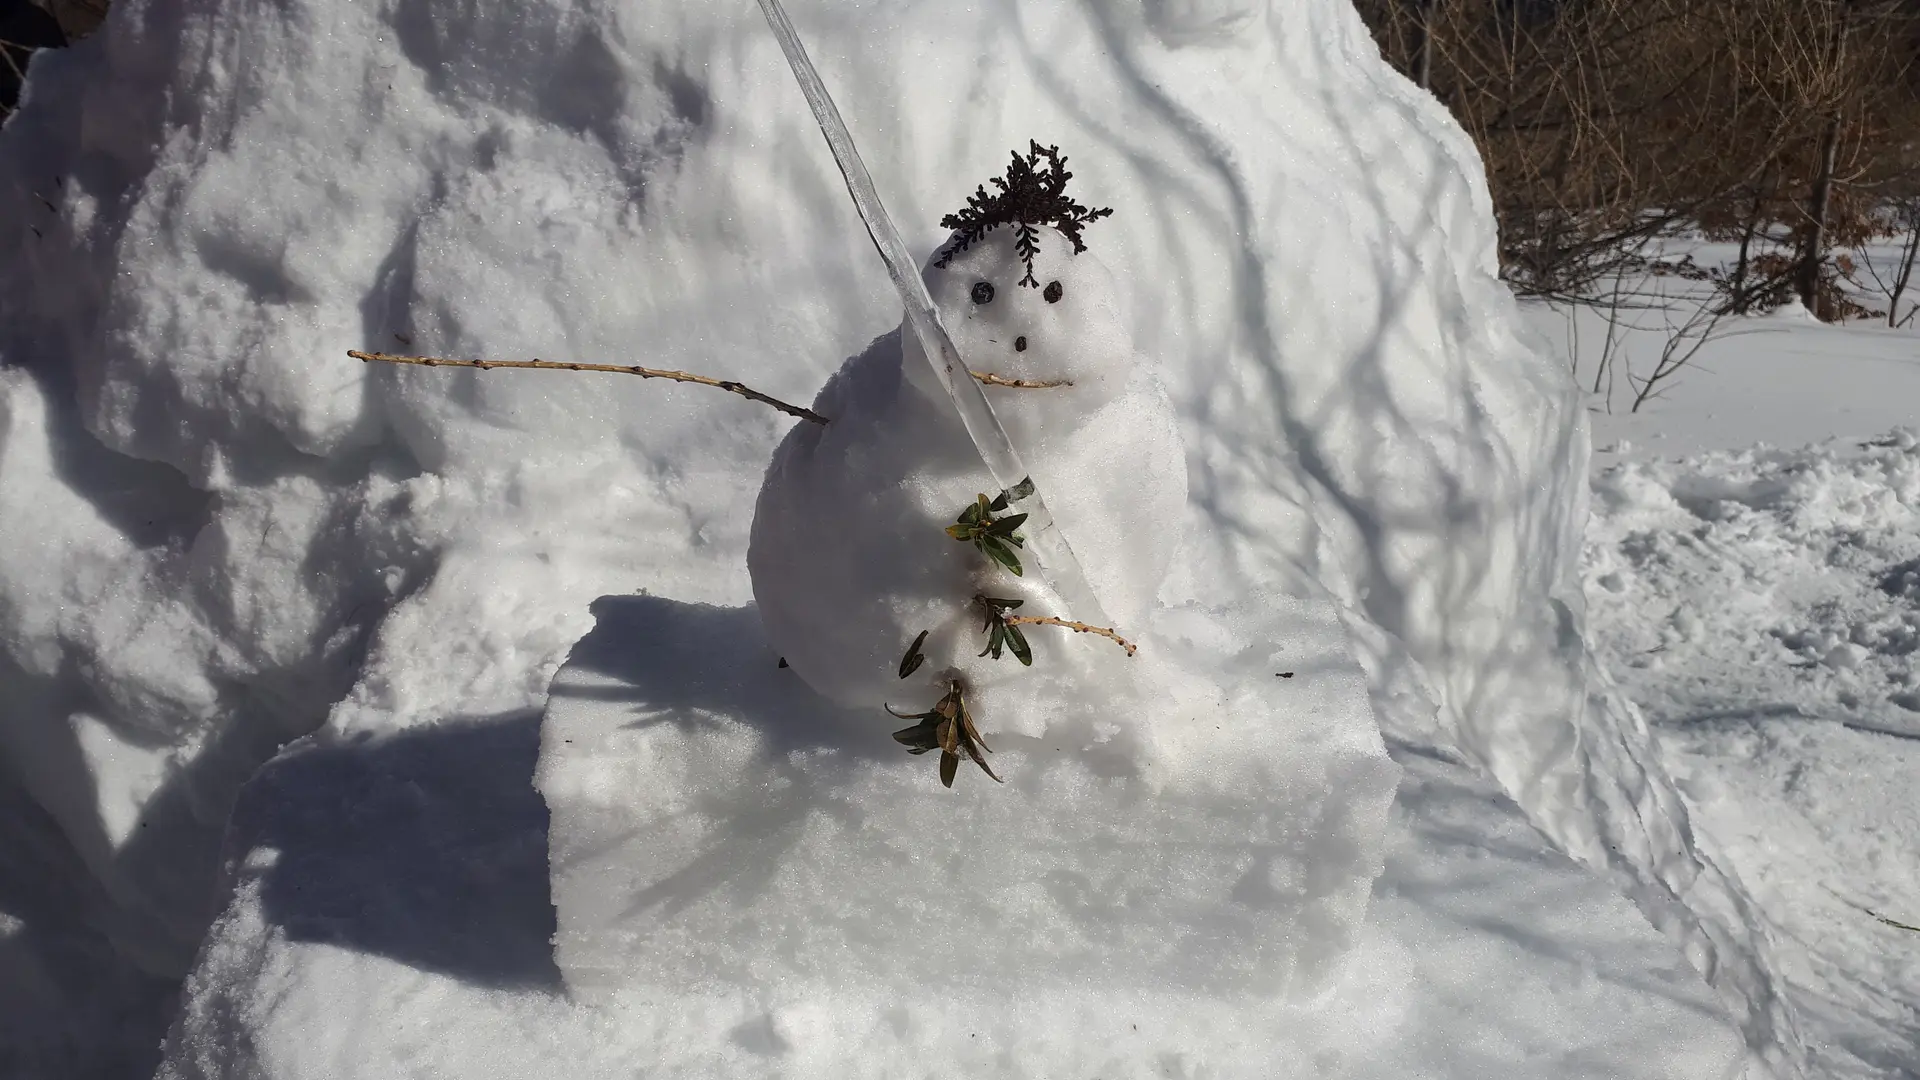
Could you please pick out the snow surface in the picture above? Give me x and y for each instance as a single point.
(222, 535)
(1761, 605)
(389, 919)
(1781, 378)
(1751, 594)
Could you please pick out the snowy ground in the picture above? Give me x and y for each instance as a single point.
(1759, 598)
(222, 538)
(392, 921)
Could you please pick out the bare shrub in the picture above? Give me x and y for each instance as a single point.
(1607, 123)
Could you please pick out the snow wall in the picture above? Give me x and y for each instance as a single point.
(222, 534)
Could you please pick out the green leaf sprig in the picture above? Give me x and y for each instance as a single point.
(994, 536)
(1001, 633)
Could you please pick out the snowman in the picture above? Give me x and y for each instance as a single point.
(869, 578)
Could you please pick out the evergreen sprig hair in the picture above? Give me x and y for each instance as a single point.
(1032, 193)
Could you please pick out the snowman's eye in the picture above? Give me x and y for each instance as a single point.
(1053, 292)
(983, 292)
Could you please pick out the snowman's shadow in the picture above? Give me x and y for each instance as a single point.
(699, 665)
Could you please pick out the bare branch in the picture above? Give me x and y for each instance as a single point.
(1076, 627)
(617, 369)
(1684, 342)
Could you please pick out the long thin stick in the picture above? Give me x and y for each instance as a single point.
(618, 369)
(1895, 923)
(1056, 563)
(1076, 627)
(987, 377)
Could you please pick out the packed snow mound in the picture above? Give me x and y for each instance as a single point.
(235, 535)
(389, 918)
(849, 555)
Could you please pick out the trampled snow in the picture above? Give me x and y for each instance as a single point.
(226, 535)
(1762, 604)
(1750, 593)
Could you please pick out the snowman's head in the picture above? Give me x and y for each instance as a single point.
(1044, 315)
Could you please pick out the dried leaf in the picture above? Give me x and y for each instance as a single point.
(919, 738)
(982, 762)
(996, 634)
(948, 734)
(1017, 641)
(974, 744)
(949, 765)
(911, 662)
(972, 733)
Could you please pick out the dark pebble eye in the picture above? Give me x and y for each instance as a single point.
(1054, 292)
(983, 292)
(1020, 343)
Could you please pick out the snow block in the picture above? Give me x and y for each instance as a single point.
(719, 834)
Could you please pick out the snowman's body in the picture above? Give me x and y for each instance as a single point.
(848, 554)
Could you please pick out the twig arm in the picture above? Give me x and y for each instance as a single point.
(618, 369)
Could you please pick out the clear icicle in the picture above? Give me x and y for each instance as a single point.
(1057, 566)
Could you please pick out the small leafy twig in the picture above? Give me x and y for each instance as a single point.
(1076, 627)
(1033, 192)
(948, 728)
(995, 537)
(617, 369)
(990, 379)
